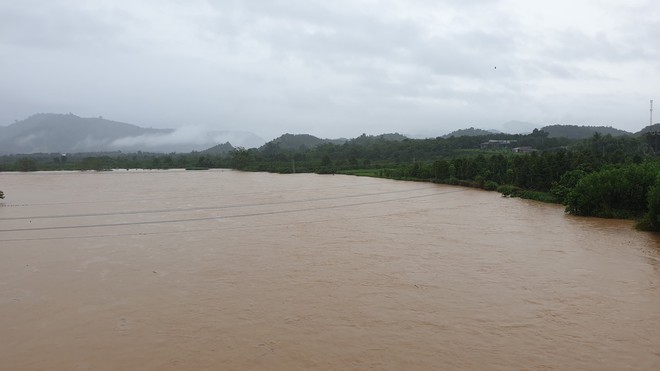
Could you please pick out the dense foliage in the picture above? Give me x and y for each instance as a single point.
(616, 192)
(601, 176)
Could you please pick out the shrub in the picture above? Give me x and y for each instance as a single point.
(509, 190)
(490, 185)
(613, 193)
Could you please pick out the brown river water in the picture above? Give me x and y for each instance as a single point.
(224, 270)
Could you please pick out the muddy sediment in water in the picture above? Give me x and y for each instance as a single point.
(155, 270)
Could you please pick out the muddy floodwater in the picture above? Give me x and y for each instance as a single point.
(211, 270)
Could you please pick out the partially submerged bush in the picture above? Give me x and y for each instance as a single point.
(490, 185)
(509, 190)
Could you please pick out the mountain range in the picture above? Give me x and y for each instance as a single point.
(67, 133)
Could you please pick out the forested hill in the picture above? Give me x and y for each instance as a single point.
(470, 132)
(219, 149)
(297, 141)
(649, 129)
(581, 132)
(365, 139)
(49, 132)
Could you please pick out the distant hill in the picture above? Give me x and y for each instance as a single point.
(47, 132)
(296, 141)
(363, 139)
(244, 139)
(68, 133)
(470, 132)
(654, 128)
(581, 132)
(219, 149)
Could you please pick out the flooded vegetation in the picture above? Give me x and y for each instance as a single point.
(221, 269)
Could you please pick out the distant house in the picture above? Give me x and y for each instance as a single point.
(497, 144)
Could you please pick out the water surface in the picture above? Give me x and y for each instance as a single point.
(155, 270)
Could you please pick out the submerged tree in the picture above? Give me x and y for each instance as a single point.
(618, 192)
(653, 215)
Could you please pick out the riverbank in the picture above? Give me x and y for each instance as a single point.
(627, 191)
(505, 190)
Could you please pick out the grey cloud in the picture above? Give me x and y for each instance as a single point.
(577, 46)
(328, 68)
(187, 138)
(52, 25)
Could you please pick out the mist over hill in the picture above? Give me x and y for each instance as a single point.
(306, 141)
(47, 132)
(66, 133)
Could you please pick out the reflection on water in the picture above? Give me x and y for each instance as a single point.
(231, 270)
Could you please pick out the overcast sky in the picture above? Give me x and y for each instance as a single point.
(332, 68)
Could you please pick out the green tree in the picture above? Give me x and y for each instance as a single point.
(653, 215)
(352, 160)
(97, 163)
(566, 183)
(26, 164)
(441, 169)
(240, 158)
(326, 161)
(620, 192)
(204, 161)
